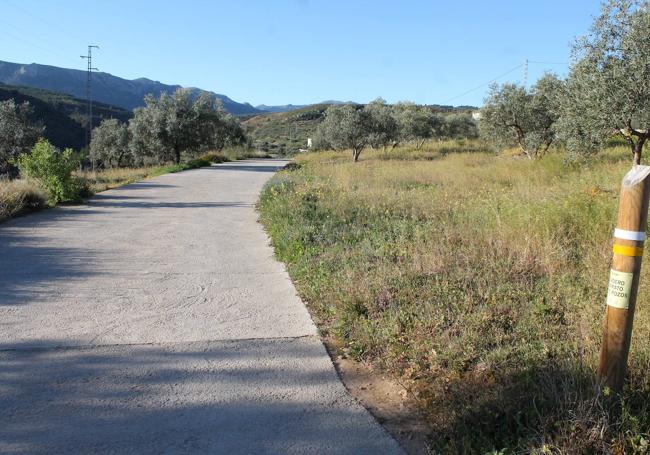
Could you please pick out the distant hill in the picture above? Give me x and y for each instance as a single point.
(284, 108)
(293, 107)
(63, 115)
(285, 132)
(106, 88)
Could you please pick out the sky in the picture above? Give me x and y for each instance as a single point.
(278, 52)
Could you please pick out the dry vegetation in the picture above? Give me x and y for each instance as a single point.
(17, 196)
(478, 280)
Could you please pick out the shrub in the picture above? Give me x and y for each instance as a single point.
(52, 169)
(198, 162)
(214, 158)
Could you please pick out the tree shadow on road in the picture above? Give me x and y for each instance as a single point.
(255, 396)
(29, 264)
(247, 167)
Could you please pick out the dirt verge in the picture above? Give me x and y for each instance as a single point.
(386, 399)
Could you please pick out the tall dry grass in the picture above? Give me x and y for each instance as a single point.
(19, 196)
(478, 279)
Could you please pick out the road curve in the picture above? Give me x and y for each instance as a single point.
(154, 319)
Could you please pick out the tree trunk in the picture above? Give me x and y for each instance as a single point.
(419, 144)
(177, 155)
(119, 159)
(355, 155)
(638, 149)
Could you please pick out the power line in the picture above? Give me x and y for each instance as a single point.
(549, 63)
(485, 83)
(525, 76)
(28, 42)
(47, 23)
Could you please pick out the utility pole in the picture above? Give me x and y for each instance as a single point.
(89, 101)
(629, 237)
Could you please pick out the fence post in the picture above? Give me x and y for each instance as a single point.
(629, 236)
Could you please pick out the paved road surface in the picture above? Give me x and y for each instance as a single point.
(154, 319)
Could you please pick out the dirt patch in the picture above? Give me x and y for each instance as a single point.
(387, 400)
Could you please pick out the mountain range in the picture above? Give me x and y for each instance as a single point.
(113, 90)
(106, 88)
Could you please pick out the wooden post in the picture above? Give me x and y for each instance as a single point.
(629, 236)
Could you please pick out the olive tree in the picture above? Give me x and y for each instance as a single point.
(111, 144)
(147, 129)
(18, 133)
(416, 123)
(515, 116)
(219, 129)
(457, 126)
(608, 88)
(346, 127)
(384, 129)
(173, 125)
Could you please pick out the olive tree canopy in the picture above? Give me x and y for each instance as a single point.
(110, 144)
(171, 125)
(416, 123)
(346, 127)
(608, 88)
(17, 132)
(383, 126)
(515, 116)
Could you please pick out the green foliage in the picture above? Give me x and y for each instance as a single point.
(515, 116)
(198, 162)
(63, 116)
(52, 170)
(384, 129)
(346, 127)
(608, 88)
(110, 145)
(174, 125)
(18, 133)
(478, 280)
(379, 124)
(457, 126)
(416, 123)
(215, 158)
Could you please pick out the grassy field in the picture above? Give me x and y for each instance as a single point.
(477, 280)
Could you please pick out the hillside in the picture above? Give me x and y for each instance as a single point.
(109, 89)
(63, 115)
(283, 108)
(285, 132)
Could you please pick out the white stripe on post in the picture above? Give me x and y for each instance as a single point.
(629, 235)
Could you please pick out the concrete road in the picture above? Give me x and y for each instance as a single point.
(154, 319)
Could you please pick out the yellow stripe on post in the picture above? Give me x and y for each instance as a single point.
(623, 250)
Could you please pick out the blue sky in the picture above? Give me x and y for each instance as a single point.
(303, 51)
